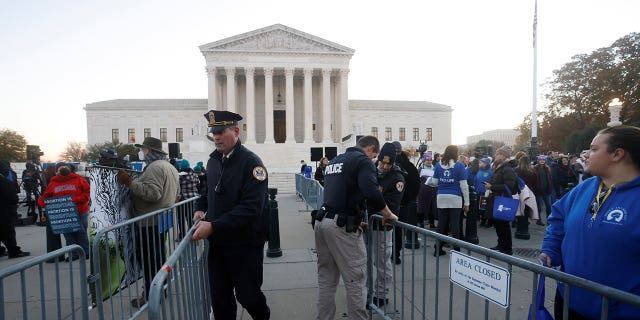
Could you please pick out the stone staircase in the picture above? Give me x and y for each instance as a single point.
(284, 181)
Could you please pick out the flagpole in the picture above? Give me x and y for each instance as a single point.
(534, 112)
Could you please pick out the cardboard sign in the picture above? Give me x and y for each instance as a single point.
(63, 215)
(487, 280)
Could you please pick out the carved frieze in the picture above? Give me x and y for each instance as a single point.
(277, 40)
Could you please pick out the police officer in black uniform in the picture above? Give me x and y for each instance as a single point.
(392, 183)
(350, 179)
(233, 221)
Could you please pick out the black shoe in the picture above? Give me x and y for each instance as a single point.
(138, 302)
(540, 223)
(501, 250)
(380, 302)
(19, 254)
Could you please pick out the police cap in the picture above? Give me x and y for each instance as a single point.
(387, 154)
(220, 120)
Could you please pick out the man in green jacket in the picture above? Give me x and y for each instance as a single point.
(158, 187)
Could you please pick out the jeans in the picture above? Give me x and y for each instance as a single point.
(81, 237)
(547, 204)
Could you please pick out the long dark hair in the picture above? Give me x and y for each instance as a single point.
(450, 153)
(524, 164)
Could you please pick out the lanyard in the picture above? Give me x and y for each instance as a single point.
(599, 196)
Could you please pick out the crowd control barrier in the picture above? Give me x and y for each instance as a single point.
(127, 255)
(180, 290)
(28, 290)
(473, 283)
(310, 191)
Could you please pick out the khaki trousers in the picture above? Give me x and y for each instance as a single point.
(340, 254)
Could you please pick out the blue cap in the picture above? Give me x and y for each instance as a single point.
(387, 153)
(220, 120)
(486, 161)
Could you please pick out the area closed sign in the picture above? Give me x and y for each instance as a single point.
(484, 279)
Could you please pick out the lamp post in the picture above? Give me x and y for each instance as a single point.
(615, 106)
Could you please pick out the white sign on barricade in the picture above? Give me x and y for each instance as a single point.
(484, 279)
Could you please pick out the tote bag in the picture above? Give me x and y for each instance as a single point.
(541, 312)
(505, 208)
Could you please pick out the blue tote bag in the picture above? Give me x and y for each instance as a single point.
(505, 208)
(541, 312)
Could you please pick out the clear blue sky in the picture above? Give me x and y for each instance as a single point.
(475, 56)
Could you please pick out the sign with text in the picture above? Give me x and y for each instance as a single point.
(63, 215)
(484, 279)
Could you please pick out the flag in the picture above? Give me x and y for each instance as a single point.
(535, 24)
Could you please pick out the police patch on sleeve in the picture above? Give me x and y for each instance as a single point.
(400, 186)
(260, 173)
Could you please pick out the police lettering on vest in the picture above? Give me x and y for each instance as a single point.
(333, 168)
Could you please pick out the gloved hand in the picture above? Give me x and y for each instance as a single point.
(123, 177)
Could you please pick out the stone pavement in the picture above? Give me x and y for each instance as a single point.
(290, 281)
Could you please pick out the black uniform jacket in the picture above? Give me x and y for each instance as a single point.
(235, 198)
(392, 186)
(349, 179)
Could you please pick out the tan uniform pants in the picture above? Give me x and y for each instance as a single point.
(340, 254)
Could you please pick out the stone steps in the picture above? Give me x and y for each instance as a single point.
(284, 181)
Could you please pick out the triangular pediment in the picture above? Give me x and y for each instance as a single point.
(276, 38)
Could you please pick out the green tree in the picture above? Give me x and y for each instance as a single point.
(74, 152)
(578, 93)
(12, 146)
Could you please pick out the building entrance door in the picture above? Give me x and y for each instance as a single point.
(279, 126)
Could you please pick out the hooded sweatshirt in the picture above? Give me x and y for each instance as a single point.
(605, 250)
(451, 180)
(72, 185)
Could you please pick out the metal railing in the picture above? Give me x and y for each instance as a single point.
(44, 294)
(180, 290)
(310, 191)
(126, 256)
(419, 290)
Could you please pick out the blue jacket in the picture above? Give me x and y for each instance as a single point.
(605, 251)
(483, 175)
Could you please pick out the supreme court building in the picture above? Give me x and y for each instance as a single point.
(292, 90)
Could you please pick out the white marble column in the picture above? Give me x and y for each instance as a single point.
(251, 104)
(288, 73)
(231, 88)
(308, 108)
(213, 88)
(326, 106)
(268, 105)
(345, 123)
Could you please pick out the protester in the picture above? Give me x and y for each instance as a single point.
(189, 184)
(31, 185)
(68, 183)
(426, 201)
(543, 189)
(566, 178)
(453, 195)
(157, 187)
(392, 186)
(483, 175)
(408, 204)
(234, 223)
(350, 179)
(201, 173)
(594, 230)
(8, 214)
(503, 176)
(319, 175)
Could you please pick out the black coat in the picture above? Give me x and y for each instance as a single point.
(412, 179)
(392, 187)
(235, 198)
(502, 175)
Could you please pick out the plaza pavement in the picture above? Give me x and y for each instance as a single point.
(290, 281)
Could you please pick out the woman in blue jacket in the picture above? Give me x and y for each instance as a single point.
(594, 230)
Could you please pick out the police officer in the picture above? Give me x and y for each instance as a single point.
(392, 183)
(350, 179)
(233, 224)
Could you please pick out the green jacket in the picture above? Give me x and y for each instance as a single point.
(158, 187)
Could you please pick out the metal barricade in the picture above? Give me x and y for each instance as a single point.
(126, 256)
(310, 190)
(180, 290)
(50, 292)
(417, 289)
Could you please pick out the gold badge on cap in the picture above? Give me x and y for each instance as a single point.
(260, 173)
(212, 118)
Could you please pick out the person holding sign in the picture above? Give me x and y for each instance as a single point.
(76, 187)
